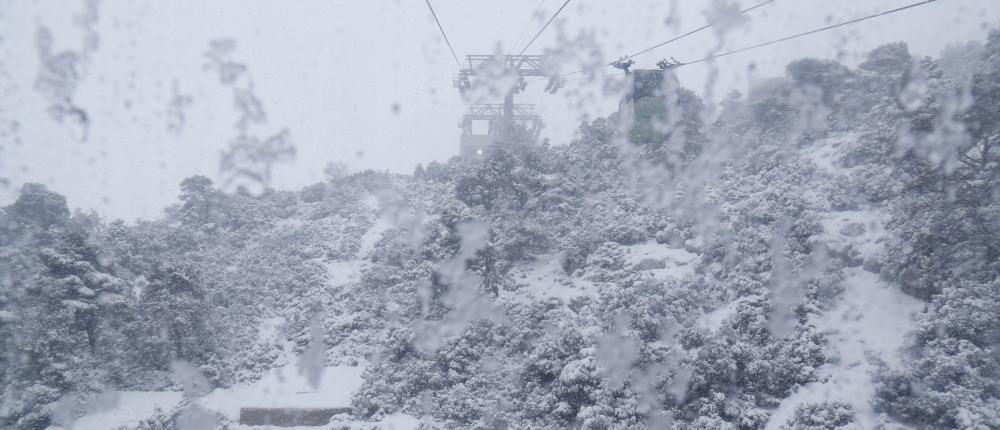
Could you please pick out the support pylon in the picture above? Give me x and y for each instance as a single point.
(520, 65)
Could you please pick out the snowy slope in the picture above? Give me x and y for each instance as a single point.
(372, 236)
(544, 277)
(281, 387)
(867, 324)
(130, 408)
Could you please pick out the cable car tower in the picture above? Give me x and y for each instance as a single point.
(521, 114)
(501, 118)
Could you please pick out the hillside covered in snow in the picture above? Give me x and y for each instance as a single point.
(821, 253)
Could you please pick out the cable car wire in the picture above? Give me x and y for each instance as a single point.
(544, 27)
(709, 25)
(457, 62)
(528, 24)
(706, 26)
(794, 36)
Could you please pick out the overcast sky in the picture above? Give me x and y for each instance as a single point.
(367, 83)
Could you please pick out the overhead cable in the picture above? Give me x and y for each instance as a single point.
(794, 36)
(534, 14)
(540, 31)
(453, 55)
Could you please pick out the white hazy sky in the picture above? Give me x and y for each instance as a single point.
(332, 71)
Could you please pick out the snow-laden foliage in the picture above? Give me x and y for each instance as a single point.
(669, 268)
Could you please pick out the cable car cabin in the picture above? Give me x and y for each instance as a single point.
(644, 103)
(472, 147)
(645, 83)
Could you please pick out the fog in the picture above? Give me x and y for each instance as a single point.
(786, 219)
(363, 83)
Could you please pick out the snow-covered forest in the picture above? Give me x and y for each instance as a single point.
(821, 252)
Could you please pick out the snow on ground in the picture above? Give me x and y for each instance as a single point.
(713, 320)
(130, 408)
(825, 153)
(290, 223)
(861, 229)
(343, 272)
(868, 323)
(270, 329)
(396, 421)
(280, 388)
(372, 236)
(284, 387)
(400, 422)
(678, 262)
(543, 278)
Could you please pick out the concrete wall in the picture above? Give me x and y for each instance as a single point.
(289, 417)
(473, 147)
